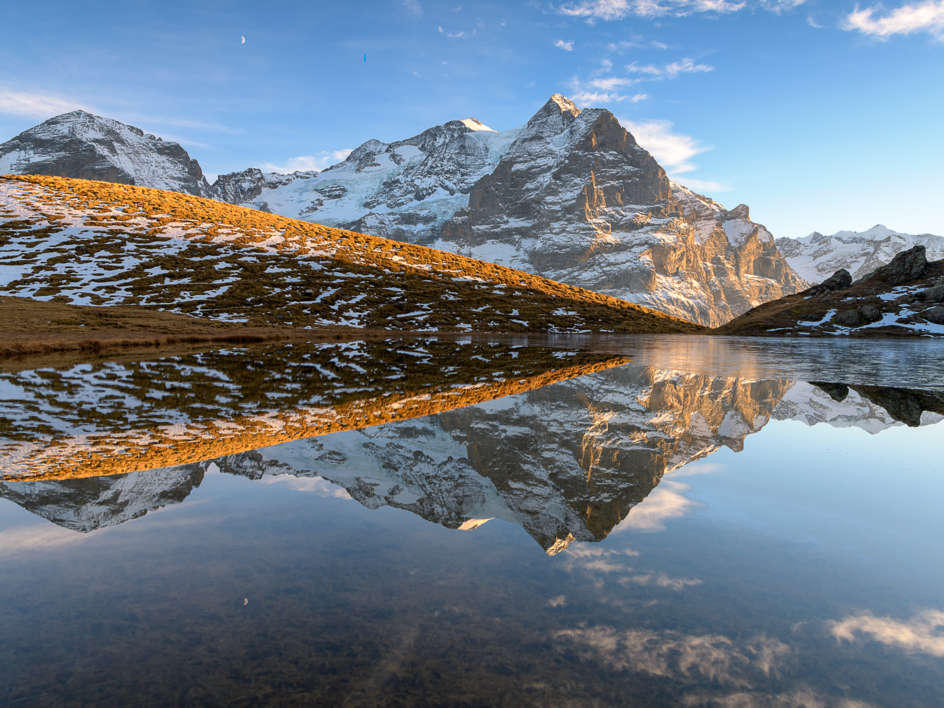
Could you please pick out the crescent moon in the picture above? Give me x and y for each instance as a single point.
(242, 39)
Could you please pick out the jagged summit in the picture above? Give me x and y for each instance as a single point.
(564, 103)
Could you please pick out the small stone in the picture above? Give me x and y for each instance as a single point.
(849, 318)
(934, 294)
(839, 280)
(934, 314)
(870, 313)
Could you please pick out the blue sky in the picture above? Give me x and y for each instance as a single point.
(818, 115)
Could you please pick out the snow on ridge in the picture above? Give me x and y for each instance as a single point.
(476, 125)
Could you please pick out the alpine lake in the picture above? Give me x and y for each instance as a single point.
(655, 520)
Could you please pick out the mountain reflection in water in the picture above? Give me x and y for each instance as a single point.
(356, 523)
(565, 453)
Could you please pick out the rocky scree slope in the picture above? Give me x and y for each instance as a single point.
(904, 298)
(96, 243)
(817, 256)
(569, 196)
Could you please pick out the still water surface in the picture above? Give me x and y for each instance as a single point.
(647, 520)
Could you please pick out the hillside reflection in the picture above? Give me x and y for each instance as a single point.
(566, 453)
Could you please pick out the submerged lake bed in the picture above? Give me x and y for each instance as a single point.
(477, 521)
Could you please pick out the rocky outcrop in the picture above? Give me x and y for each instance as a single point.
(87, 146)
(897, 299)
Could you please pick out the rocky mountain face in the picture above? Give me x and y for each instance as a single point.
(83, 145)
(567, 462)
(818, 256)
(570, 196)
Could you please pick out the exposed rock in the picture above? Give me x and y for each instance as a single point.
(849, 318)
(933, 294)
(905, 267)
(870, 313)
(840, 280)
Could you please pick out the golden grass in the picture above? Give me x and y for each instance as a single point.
(388, 279)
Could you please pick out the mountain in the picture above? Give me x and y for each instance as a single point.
(816, 257)
(95, 243)
(566, 462)
(904, 298)
(87, 146)
(569, 196)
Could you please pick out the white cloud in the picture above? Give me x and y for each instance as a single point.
(706, 185)
(460, 34)
(714, 657)
(307, 163)
(672, 150)
(660, 580)
(606, 10)
(778, 6)
(907, 19)
(922, 633)
(686, 66)
(567, 46)
(663, 503)
(587, 98)
(811, 21)
(36, 105)
(619, 9)
(671, 70)
(413, 7)
(638, 43)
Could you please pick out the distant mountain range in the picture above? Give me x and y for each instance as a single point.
(570, 196)
(817, 256)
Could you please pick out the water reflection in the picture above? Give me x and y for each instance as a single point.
(401, 559)
(568, 461)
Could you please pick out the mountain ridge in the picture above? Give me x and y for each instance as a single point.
(577, 217)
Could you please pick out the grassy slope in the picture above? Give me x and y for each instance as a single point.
(111, 244)
(783, 315)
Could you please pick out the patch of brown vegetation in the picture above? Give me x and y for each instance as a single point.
(30, 327)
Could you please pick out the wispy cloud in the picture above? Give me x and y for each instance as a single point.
(307, 163)
(413, 7)
(458, 34)
(673, 150)
(618, 9)
(626, 45)
(566, 45)
(907, 19)
(584, 97)
(663, 503)
(714, 657)
(608, 10)
(669, 71)
(923, 633)
(37, 105)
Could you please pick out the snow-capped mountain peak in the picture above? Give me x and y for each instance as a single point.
(82, 144)
(817, 256)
